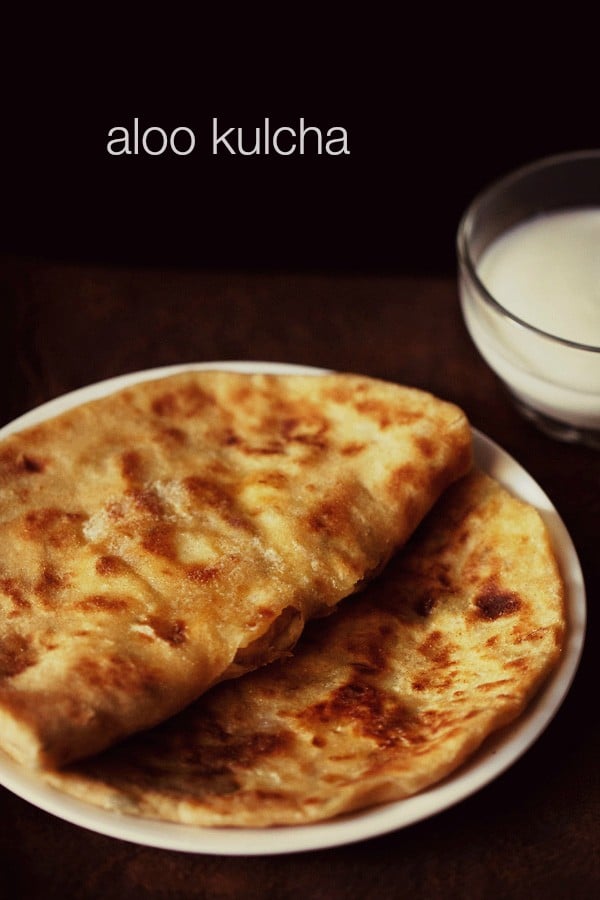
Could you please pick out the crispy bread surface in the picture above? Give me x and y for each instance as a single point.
(383, 698)
(181, 531)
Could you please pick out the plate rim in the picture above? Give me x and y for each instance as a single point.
(498, 752)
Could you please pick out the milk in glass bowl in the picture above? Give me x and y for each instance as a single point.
(529, 282)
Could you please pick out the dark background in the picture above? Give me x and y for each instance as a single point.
(434, 111)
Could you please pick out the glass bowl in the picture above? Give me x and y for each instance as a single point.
(553, 380)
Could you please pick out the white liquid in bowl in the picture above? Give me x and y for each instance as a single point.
(546, 272)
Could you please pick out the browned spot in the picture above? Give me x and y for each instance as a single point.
(431, 680)
(117, 673)
(101, 602)
(48, 584)
(9, 463)
(131, 466)
(172, 435)
(330, 516)
(49, 580)
(229, 438)
(239, 751)
(386, 414)
(492, 603)
(491, 685)
(374, 713)
(353, 448)
(437, 649)
(406, 474)
(259, 744)
(16, 655)
(216, 468)
(437, 719)
(272, 448)
(171, 632)
(520, 663)
(147, 501)
(10, 587)
(31, 464)
(319, 741)
(188, 401)
(110, 565)
(165, 405)
(340, 393)
(273, 479)
(206, 492)
(425, 446)
(160, 540)
(56, 526)
(536, 635)
(309, 429)
(13, 463)
(202, 574)
(241, 395)
(374, 409)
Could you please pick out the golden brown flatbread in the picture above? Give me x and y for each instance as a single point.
(181, 531)
(383, 698)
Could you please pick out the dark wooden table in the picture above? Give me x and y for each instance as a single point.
(531, 833)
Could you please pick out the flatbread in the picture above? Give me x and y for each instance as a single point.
(181, 531)
(385, 697)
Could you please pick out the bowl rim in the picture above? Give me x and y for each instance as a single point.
(463, 236)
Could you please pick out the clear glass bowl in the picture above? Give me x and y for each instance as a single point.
(553, 381)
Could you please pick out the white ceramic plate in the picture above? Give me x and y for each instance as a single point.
(496, 755)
